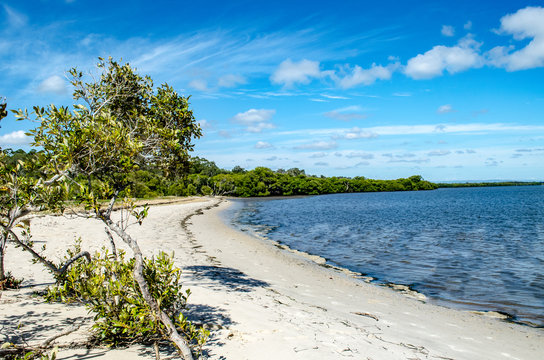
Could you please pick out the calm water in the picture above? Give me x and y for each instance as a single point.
(475, 248)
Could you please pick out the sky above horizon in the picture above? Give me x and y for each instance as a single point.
(448, 90)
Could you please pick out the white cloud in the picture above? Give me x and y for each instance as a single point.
(444, 109)
(231, 80)
(263, 145)
(318, 145)
(463, 56)
(199, 84)
(254, 116)
(447, 30)
(290, 73)
(15, 138)
(356, 133)
(255, 120)
(53, 84)
(321, 163)
(351, 77)
(468, 25)
(525, 23)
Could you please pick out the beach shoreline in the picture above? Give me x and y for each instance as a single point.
(261, 301)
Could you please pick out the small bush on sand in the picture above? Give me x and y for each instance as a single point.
(10, 282)
(122, 316)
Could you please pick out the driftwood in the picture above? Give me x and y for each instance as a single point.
(45, 345)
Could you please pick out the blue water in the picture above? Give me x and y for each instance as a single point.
(474, 248)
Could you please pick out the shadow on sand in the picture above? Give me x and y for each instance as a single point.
(224, 277)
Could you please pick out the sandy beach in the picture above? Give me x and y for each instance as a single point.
(260, 301)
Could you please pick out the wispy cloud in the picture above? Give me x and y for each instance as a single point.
(317, 145)
(335, 97)
(470, 128)
(53, 84)
(439, 153)
(444, 109)
(318, 155)
(346, 114)
(448, 30)
(231, 80)
(15, 18)
(199, 84)
(361, 155)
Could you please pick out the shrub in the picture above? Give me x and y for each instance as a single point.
(108, 287)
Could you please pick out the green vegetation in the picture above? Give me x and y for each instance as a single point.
(206, 178)
(107, 286)
(120, 124)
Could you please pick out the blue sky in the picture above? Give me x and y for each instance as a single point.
(448, 90)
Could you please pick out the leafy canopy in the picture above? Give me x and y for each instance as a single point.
(120, 124)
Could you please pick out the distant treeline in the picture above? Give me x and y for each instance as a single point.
(484, 184)
(204, 177)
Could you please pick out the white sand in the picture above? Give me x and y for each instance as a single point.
(261, 301)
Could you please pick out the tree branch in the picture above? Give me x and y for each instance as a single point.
(52, 267)
(173, 334)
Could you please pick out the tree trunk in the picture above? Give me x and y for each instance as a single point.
(2, 274)
(175, 337)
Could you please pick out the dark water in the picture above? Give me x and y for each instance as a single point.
(474, 248)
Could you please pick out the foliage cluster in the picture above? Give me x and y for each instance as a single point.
(108, 288)
(206, 178)
(120, 123)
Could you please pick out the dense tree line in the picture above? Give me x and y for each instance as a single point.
(206, 178)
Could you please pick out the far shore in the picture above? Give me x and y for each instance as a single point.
(259, 300)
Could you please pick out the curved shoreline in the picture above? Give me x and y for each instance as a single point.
(404, 288)
(342, 298)
(260, 301)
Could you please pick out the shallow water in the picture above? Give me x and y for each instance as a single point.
(474, 248)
